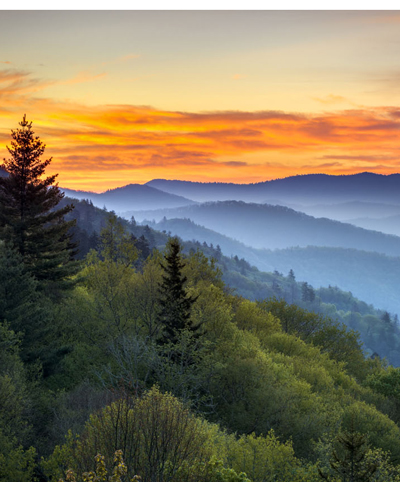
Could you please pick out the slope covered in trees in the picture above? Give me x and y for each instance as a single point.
(266, 380)
(319, 266)
(315, 267)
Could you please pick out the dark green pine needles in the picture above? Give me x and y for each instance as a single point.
(174, 301)
(29, 220)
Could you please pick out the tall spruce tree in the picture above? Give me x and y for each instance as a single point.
(175, 302)
(349, 462)
(29, 219)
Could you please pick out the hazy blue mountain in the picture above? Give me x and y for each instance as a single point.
(277, 227)
(308, 189)
(389, 224)
(187, 230)
(369, 276)
(132, 196)
(3, 173)
(351, 211)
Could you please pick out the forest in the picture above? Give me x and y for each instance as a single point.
(128, 354)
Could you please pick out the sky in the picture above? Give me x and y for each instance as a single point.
(124, 97)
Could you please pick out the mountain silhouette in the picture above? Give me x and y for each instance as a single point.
(277, 227)
(308, 189)
(132, 196)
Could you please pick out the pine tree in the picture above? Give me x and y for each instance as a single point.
(29, 219)
(349, 460)
(175, 303)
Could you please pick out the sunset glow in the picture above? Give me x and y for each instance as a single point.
(126, 97)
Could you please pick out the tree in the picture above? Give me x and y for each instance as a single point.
(116, 244)
(160, 439)
(20, 303)
(349, 459)
(28, 215)
(175, 303)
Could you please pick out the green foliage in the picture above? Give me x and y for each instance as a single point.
(16, 464)
(21, 305)
(14, 399)
(116, 244)
(157, 434)
(340, 343)
(266, 459)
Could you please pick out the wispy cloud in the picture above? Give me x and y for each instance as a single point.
(83, 77)
(330, 99)
(125, 58)
(364, 158)
(145, 142)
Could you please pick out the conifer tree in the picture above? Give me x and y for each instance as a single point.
(175, 302)
(349, 461)
(29, 219)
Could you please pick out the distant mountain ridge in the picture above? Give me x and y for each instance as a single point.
(350, 210)
(277, 227)
(132, 196)
(308, 188)
(369, 276)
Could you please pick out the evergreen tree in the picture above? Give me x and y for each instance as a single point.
(29, 219)
(175, 303)
(349, 460)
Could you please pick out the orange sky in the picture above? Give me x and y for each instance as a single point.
(201, 100)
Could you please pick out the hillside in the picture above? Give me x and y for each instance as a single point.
(271, 280)
(350, 269)
(388, 225)
(276, 227)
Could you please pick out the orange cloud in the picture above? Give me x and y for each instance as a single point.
(98, 147)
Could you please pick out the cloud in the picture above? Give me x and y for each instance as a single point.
(325, 165)
(364, 158)
(125, 58)
(330, 99)
(15, 83)
(146, 142)
(5, 62)
(84, 77)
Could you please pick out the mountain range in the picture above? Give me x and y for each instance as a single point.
(276, 227)
(308, 189)
(132, 196)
